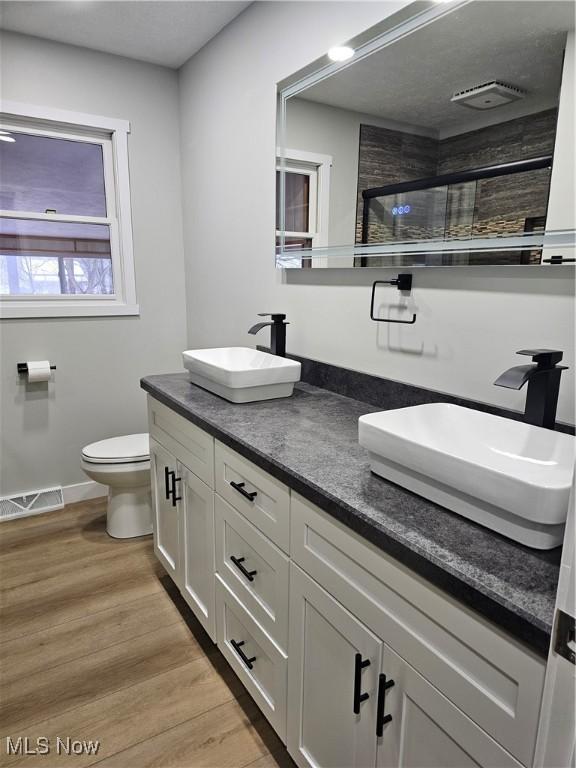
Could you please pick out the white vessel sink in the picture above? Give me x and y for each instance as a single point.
(241, 374)
(509, 476)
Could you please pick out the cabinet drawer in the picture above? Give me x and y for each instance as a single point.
(258, 496)
(254, 569)
(257, 661)
(495, 680)
(191, 445)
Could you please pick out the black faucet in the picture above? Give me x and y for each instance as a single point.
(543, 379)
(277, 333)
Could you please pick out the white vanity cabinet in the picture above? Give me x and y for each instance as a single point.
(254, 493)
(355, 659)
(253, 655)
(354, 702)
(196, 536)
(163, 467)
(329, 723)
(419, 726)
(183, 508)
(487, 677)
(254, 569)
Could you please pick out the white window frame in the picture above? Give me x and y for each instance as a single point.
(317, 167)
(112, 135)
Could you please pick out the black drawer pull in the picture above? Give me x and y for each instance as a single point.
(238, 648)
(238, 563)
(359, 697)
(250, 495)
(175, 480)
(167, 474)
(381, 718)
(558, 260)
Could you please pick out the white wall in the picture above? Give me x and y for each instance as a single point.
(562, 203)
(96, 391)
(330, 131)
(470, 321)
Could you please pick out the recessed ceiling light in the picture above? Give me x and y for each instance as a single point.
(340, 53)
(5, 136)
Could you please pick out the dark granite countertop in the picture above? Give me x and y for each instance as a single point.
(310, 442)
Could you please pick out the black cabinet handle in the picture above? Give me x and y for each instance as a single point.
(359, 697)
(238, 648)
(167, 482)
(381, 718)
(175, 480)
(238, 563)
(250, 495)
(557, 260)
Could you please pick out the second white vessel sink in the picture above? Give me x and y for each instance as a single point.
(509, 476)
(242, 374)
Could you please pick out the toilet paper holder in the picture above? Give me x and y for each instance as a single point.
(23, 368)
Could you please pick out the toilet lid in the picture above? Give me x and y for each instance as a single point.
(118, 450)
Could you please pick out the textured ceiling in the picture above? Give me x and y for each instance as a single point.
(158, 31)
(411, 81)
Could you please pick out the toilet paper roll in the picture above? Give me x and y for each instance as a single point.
(38, 370)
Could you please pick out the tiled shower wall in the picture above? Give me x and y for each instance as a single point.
(386, 157)
(502, 205)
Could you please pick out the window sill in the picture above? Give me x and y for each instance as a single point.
(20, 310)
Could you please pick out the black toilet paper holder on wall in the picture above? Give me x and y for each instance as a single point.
(404, 283)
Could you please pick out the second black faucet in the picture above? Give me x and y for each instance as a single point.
(277, 332)
(543, 378)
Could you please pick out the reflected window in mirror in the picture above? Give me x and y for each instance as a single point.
(302, 181)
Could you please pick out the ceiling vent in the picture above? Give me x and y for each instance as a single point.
(488, 95)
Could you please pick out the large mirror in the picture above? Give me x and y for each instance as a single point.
(437, 143)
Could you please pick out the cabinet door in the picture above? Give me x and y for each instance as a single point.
(423, 729)
(333, 667)
(196, 577)
(165, 511)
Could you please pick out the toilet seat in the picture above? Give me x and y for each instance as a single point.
(127, 449)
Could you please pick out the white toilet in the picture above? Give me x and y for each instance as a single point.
(123, 464)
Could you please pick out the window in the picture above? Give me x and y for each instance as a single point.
(306, 180)
(65, 228)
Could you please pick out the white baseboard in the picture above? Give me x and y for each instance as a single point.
(83, 491)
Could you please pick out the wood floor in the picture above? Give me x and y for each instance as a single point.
(97, 644)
